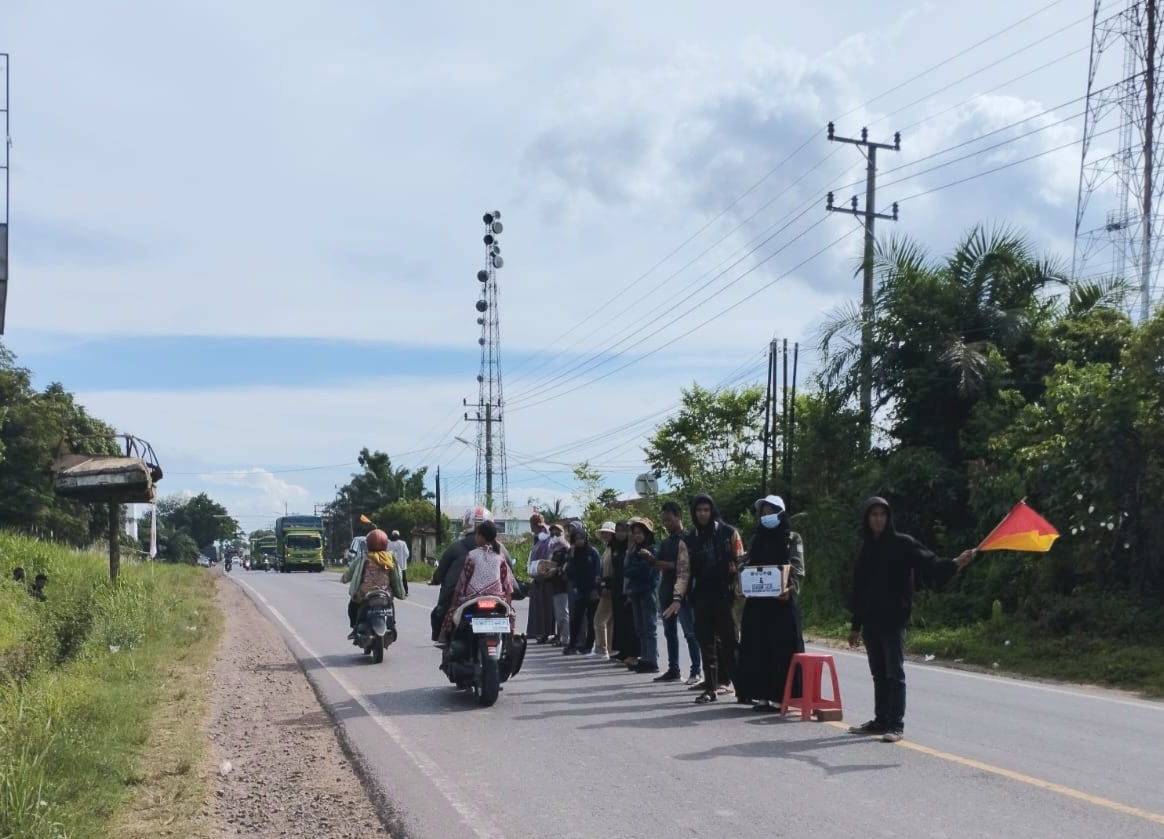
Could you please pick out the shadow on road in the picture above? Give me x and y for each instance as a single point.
(798, 750)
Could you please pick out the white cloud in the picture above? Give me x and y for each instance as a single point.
(256, 492)
(301, 170)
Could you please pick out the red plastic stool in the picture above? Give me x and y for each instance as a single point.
(811, 702)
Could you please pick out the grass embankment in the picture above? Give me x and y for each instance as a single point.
(1129, 664)
(102, 696)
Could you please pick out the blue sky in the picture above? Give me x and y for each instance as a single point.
(249, 232)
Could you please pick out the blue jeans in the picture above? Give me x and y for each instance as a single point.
(686, 619)
(646, 612)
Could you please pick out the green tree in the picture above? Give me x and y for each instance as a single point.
(713, 445)
(551, 512)
(34, 428)
(405, 515)
(201, 518)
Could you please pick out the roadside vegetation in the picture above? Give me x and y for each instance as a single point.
(94, 679)
(995, 378)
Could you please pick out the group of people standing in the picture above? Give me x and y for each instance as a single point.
(608, 605)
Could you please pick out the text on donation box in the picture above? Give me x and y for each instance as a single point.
(764, 580)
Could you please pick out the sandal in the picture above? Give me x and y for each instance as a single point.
(767, 708)
(725, 690)
(705, 698)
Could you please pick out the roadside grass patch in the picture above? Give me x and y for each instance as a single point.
(84, 679)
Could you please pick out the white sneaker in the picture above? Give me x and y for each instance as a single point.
(697, 679)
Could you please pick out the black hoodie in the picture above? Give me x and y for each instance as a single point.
(889, 568)
(713, 549)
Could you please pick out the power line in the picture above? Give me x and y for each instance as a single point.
(547, 360)
(522, 402)
(803, 145)
(719, 314)
(1001, 168)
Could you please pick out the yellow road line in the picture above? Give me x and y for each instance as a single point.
(1030, 780)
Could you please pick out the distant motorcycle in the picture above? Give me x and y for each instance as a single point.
(376, 624)
(483, 651)
(228, 564)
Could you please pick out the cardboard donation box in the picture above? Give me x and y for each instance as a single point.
(764, 580)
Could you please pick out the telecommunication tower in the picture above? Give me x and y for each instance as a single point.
(1118, 229)
(488, 411)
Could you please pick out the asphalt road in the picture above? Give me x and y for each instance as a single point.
(578, 748)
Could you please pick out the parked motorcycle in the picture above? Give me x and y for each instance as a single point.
(483, 651)
(376, 624)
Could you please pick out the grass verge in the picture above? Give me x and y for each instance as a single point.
(1009, 647)
(96, 684)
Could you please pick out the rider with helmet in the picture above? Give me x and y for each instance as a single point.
(448, 570)
(373, 568)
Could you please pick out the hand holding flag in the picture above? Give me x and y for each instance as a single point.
(1022, 530)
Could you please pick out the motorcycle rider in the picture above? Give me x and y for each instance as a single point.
(374, 567)
(448, 570)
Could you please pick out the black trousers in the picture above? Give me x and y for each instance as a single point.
(715, 628)
(404, 580)
(582, 623)
(885, 647)
(353, 613)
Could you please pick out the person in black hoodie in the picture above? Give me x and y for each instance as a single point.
(889, 568)
(714, 551)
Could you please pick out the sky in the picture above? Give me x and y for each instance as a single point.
(249, 232)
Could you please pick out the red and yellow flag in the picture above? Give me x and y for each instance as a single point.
(1022, 530)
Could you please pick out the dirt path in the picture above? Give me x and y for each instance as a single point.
(288, 775)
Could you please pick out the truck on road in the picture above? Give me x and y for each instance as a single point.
(264, 549)
(299, 543)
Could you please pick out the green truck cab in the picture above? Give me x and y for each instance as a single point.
(264, 548)
(299, 543)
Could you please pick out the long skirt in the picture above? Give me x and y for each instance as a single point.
(541, 610)
(769, 637)
(626, 640)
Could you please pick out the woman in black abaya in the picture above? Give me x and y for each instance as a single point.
(770, 627)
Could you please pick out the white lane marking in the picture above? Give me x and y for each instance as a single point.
(1002, 680)
(473, 818)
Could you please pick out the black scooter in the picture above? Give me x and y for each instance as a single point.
(483, 652)
(376, 624)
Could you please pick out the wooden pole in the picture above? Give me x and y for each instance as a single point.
(114, 540)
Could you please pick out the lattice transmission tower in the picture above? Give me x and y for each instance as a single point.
(489, 410)
(1118, 227)
(5, 184)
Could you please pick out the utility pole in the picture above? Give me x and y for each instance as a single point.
(437, 523)
(768, 420)
(870, 216)
(1149, 151)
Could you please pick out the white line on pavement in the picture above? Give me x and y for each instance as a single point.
(473, 818)
(1003, 680)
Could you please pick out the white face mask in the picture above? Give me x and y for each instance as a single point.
(543, 536)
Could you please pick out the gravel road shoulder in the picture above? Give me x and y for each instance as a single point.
(281, 771)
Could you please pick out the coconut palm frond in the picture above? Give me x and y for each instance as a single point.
(842, 326)
(968, 361)
(898, 256)
(1092, 295)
